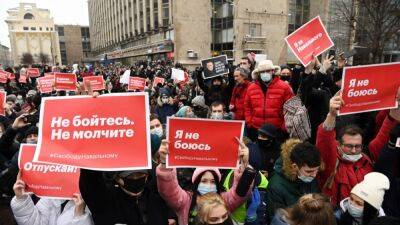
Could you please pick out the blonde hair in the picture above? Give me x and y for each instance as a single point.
(311, 209)
(206, 203)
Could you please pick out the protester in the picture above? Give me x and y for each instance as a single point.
(48, 211)
(165, 106)
(265, 98)
(345, 163)
(239, 93)
(218, 111)
(204, 181)
(295, 173)
(311, 209)
(200, 108)
(212, 209)
(156, 126)
(388, 164)
(365, 201)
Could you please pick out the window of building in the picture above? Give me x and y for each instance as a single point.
(47, 29)
(26, 28)
(62, 46)
(33, 28)
(253, 29)
(60, 31)
(51, 29)
(40, 28)
(28, 16)
(299, 14)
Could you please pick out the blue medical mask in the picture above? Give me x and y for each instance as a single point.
(306, 179)
(355, 211)
(266, 77)
(206, 188)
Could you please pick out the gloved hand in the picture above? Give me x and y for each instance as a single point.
(255, 201)
(394, 134)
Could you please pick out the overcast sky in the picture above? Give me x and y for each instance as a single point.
(63, 12)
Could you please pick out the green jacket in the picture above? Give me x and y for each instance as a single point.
(283, 192)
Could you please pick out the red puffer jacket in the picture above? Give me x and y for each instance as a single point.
(237, 99)
(261, 108)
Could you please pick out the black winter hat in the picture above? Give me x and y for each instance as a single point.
(269, 130)
(31, 130)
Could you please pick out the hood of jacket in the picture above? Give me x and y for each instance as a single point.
(284, 165)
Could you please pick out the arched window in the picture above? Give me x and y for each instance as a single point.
(28, 16)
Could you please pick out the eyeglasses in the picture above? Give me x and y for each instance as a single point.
(350, 146)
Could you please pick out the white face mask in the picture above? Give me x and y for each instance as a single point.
(352, 158)
(217, 116)
(266, 77)
(355, 211)
(157, 131)
(305, 179)
(165, 100)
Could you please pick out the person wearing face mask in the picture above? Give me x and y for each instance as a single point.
(365, 201)
(127, 199)
(265, 99)
(345, 163)
(205, 180)
(156, 126)
(218, 90)
(165, 106)
(212, 210)
(295, 173)
(199, 106)
(311, 209)
(217, 112)
(268, 147)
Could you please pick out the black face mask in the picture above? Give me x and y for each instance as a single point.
(197, 108)
(285, 78)
(226, 222)
(134, 185)
(264, 144)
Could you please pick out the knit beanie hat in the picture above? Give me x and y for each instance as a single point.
(372, 189)
(199, 101)
(182, 111)
(11, 98)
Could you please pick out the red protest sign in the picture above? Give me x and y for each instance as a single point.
(136, 83)
(96, 82)
(158, 80)
(3, 76)
(33, 72)
(46, 84)
(309, 41)
(65, 81)
(3, 95)
(96, 133)
(47, 180)
(191, 144)
(22, 79)
(370, 88)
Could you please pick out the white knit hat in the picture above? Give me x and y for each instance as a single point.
(372, 189)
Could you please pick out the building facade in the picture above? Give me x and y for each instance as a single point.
(74, 43)
(130, 30)
(5, 57)
(31, 30)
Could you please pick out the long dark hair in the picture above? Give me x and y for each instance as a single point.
(195, 185)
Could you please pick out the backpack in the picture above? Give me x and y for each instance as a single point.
(296, 117)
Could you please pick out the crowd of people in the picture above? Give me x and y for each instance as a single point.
(301, 163)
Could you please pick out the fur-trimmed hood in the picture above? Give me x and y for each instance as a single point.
(286, 163)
